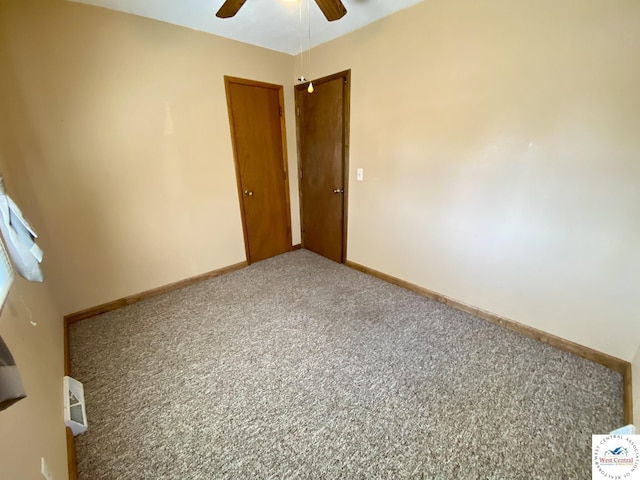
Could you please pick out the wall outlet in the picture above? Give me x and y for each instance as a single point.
(44, 469)
(359, 174)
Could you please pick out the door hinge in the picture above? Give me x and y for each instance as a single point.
(280, 111)
(298, 111)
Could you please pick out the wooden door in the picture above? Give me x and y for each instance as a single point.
(323, 120)
(259, 144)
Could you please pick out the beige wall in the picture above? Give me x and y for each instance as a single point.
(499, 142)
(636, 388)
(121, 124)
(34, 427)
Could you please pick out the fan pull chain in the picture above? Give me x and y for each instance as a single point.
(301, 79)
(310, 88)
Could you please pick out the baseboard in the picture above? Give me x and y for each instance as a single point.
(617, 364)
(628, 397)
(72, 464)
(297, 246)
(123, 302)
(67, 354)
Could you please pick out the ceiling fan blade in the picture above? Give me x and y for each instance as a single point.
(332, 9)
(229, 8)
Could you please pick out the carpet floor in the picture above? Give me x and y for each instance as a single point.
(298, 367)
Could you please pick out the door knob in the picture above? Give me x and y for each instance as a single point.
(338, 190)
(248, 193)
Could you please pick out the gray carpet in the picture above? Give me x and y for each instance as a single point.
(298, 367)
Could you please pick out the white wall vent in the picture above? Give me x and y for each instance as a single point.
(75, 414)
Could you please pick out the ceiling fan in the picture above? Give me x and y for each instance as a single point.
(332, 9)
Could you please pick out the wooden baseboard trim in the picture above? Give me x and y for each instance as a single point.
(628, 396)
(297, 246)
(123, 302)
(72, 463)
(608, 361)
(67, 354)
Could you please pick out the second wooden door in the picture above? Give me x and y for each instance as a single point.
(323, 119)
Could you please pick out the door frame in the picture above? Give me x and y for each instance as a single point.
(228, 80)
(346, 122)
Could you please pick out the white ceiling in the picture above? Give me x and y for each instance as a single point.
(273, 24)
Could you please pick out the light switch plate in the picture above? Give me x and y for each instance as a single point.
(359, 174)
